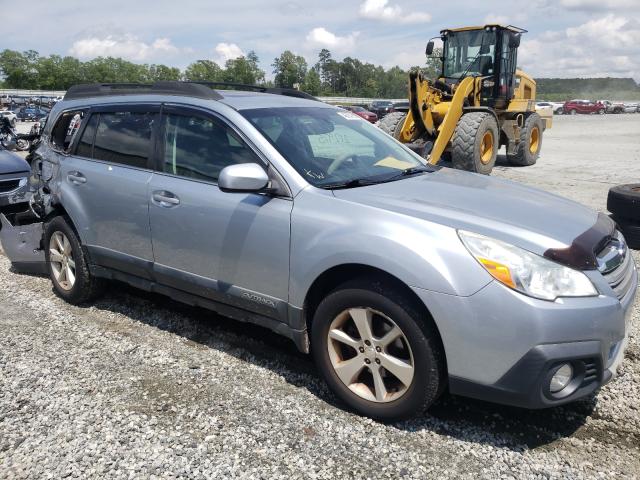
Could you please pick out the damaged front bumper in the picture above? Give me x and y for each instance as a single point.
(21, 238)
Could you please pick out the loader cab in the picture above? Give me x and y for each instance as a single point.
(489, 52)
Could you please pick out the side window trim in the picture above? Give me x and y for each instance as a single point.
(181, 109)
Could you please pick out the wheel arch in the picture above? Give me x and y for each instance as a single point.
(338, 275)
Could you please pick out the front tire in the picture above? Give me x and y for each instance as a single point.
(474, 146)
(528, 149)
(68, 267)
(377, 352)
(573, 111)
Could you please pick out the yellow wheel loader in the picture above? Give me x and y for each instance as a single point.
(480, 102)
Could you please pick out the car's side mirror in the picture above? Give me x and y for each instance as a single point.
(514, 41)
(243, 178)
(429, 50)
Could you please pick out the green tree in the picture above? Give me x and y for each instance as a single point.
(433, 67)
(203, 71)
(157, 73)
(243, 70)
(18, 68)
(289, 69)
(312, 83)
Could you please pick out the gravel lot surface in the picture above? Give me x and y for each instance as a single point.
(138, 386)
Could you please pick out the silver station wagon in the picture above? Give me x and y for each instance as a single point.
(401, 279)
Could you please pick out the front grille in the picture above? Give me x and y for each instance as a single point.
(9, 185)
(620, 278)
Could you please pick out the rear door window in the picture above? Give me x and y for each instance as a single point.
(124, 138)
(66, 129)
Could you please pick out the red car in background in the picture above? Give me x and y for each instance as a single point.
(363, 112)
(573, 107)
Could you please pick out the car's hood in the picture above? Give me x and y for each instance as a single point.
(12, 163)
(524, 216)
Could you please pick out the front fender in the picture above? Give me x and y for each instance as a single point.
(327, 232)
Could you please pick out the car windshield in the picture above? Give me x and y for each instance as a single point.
(382, 104)
(332, 147)
(358, 109)
(469, 52)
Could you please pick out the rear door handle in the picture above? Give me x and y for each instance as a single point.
(76, 178)
(165, 199)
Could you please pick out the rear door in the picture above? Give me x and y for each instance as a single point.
(228, 247)
(106, 182)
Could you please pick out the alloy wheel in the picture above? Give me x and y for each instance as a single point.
(62, 263)
(370, 354)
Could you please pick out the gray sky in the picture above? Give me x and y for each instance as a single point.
(566, 38)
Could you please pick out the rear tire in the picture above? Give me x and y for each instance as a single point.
(392, 123)
(67, 265)
(528, 149)
(380, 395)
(474, 146)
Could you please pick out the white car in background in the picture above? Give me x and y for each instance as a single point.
(544, 109)
(556, 107)
(13, 119)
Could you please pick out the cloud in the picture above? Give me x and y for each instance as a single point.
(605, 46)
(320, 37)
(227, 51)
(378, 10)
(592, 5)
(126, 46)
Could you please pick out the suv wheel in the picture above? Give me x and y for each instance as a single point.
(68, 267)
(377, 352)
(573, 111)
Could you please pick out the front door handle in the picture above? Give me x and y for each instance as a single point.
(165, 199)
(76, 178)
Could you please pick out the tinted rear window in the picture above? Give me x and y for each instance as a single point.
(124, 138)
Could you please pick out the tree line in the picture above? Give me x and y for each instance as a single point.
(328, 76)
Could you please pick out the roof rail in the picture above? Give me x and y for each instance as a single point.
(289, 92)
(188, 89)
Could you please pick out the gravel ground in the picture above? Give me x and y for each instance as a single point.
(138, 386)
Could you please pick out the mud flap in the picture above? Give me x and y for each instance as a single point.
(22, 243)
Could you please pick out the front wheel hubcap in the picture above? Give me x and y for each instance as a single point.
(370, 354)
(63, 264)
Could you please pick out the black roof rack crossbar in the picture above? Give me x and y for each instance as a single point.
(289, 92)
(160, 88)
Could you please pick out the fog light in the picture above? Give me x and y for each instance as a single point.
(561, 378)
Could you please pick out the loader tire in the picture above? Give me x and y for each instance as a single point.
(474, 145)
(392, 123)
(528, 149)
(624, 201)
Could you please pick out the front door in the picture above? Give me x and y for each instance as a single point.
(228, 247)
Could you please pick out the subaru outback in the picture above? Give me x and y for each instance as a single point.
(400, 278)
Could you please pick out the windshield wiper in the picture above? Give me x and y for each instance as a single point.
(356, 182)
(409, 171)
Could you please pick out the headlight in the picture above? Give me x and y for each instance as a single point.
(526, 272)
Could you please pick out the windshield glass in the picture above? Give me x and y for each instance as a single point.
(331, 146)
(469, 53)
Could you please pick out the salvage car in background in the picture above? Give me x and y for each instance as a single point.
(363, 113)
(381, 107)
(574, 107)
(14, 176)
(11, 116)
